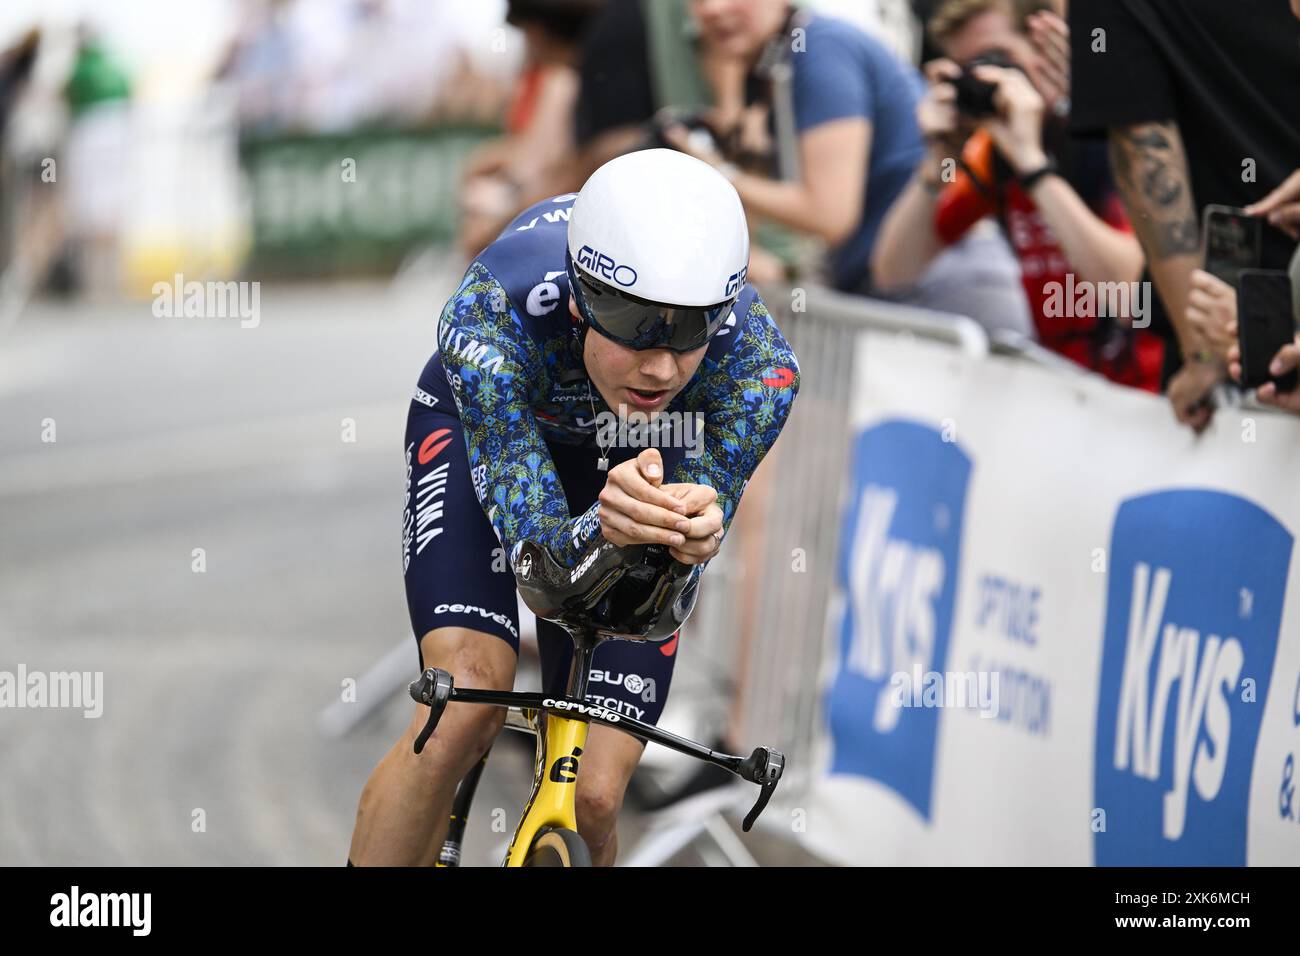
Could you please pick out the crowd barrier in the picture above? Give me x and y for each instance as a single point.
(997, 610)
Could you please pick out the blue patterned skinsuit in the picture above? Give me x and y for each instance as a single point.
(501, 447)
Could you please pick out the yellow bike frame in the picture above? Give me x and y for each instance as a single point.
(552, 801)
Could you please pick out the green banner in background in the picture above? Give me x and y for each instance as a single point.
(354, 203)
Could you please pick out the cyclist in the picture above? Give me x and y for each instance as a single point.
(506, 443)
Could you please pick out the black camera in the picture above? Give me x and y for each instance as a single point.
(974, 96)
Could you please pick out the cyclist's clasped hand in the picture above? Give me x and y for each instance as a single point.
(635, 509)
(705, 535)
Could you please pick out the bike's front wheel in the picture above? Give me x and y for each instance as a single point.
(555, 847)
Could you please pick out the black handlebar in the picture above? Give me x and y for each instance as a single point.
(764, 766)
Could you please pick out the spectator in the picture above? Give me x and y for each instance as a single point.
(535, 158)
(1198, 101)
(1054, 198)
(97, 164)
(847, 137)
(853, 112)
(618, 90)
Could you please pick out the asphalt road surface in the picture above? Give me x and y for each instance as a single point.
(201, 531)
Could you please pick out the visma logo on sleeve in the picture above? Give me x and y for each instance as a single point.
(897, 572)
(1193, 606)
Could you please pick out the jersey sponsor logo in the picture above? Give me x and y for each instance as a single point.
(571, 391)
(632, 683)
(545, 296)
(555, 215)
(624, 707)
(471, 351)
(502, 619)
(735, 282)
(478, 475)
(424, 398)
(1194, 599)
(429, 493)
(896, 576)
(779, 378)
(408, 519)
(602, 266)
(433, 443)
(586, 526)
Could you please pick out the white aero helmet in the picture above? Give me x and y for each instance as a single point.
(658, 250)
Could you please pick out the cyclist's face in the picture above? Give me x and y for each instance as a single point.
(644, 381)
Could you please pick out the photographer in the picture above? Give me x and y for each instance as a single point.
(1054, 200)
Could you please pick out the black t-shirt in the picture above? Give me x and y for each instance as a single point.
(1227, 71)
(615, 88)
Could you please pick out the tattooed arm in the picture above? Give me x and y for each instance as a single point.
(1150, 168)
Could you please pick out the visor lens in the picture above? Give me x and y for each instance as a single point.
(639, 324)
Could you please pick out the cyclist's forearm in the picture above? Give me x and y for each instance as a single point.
(490, 366)
(741, 429)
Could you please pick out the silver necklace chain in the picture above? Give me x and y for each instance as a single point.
(602, 463)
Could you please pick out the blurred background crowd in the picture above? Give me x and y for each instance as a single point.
(929, 152)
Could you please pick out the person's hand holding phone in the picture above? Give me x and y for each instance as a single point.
(1212, 312)
(1287, 359)
(1281, 207)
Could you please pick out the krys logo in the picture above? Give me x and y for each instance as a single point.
(897, 575)
(1197, 581)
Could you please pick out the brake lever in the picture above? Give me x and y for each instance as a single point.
(764, 768)
(432, 688)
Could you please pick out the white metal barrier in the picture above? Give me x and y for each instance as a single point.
(763, 602)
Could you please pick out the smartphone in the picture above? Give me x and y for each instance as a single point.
(1264, 325)
(1231, 242)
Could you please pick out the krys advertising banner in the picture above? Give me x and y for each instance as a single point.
(1065, 629)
